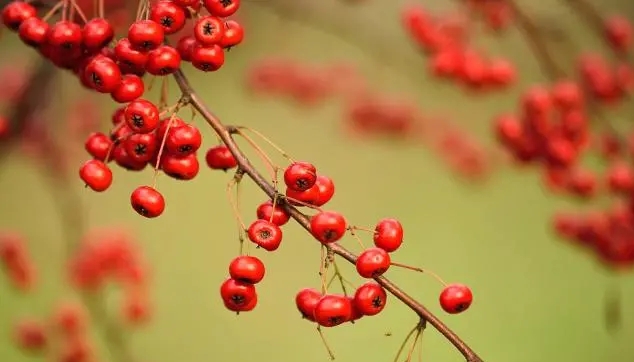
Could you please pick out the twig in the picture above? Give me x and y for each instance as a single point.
(225, 134)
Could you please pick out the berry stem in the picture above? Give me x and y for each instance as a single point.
(65, 7)
(354, 235)
(81, 14)
(420, 270)
(267, 160)
(354, 228)
(323, 268)
(162, 148)
(101, 8)
(302, 203)
(224, 132)
(407, 338)
(325, 342)
(235, 181)
(53, 11)
(418, 340)
(267, 140)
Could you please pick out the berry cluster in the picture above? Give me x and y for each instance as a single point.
(447, 39)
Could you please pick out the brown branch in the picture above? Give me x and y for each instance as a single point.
(225, 134)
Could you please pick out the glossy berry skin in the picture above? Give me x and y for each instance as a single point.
(333, 310)
(184, 47)
(373, 262)
(146, 35)
(103, 74)
(147, 201)
(141, 147)
(237, 295)
(300, 176)
(163, 60)
(65, 35)
(33, 31)
(310, 196)
(169, 15)
(180, 167)
(209, 30)
(265, 234)
(96, 34)
(233, 35)
(128, 55)
(207, 59)
(455, 298)
(325, 190)
(14, 13)
(328, 226)
(222, 8)
(247, 269)
(141, 116)
(183, 140)
(277, 215)
(96, 174)
(306, 300)
(388, 235)
(97, 145)
(369, 299)
(220, 158)
(130, 88)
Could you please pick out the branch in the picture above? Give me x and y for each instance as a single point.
(189, 96)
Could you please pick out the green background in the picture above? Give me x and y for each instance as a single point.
(536, 298)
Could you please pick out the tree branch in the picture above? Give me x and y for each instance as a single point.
(189, 96)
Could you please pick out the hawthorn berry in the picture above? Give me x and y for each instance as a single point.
(388, 235)
(98, 145)
(141, 147)
(127, 55)
(300, 176)
(97, 33)
(333, 310)
(30, 335)
(277, 215)
(184, 47)
(369, 299)
(147, 201)
(222, 8)
(180, 167)
(306, 300)
(233, 34)
(209, 30)
(220, 158)
(123, 159)
(130, 88)
(328, 226)
(96, 174)
(103, 74)
(65, 35)
(247, 269)
(33, 31)
(207, 59)
(183, 140)
(16, 12)
(169, 15)
(325, 190)
(265, 234)
(163, 60)
(141, 116)
(237, 296)
(373, 262)
(146, 35)
(455, 298)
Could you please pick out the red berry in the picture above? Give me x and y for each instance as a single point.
(173, 122)
(310, 196)
(126, 161)
(300, 176)
(265, 234)
(306, 300)
(33, 31)
(237, 295)
(234, 34)
(130, 88)
(126, 54)
(207, 59)
(222, 8)
(96, 34)
(98, 145)
(621, 178)
(141, 147)
(220, 158)
(209, 30)
(328, 226)
(141, 116)
(184, 47)
(373, 262)
(30, 335)
(326, 190)
(103, 74)
(169, 15)
(15, 12)
(147, 201)
(370, 299)
(163, 60)
(333, 310)
(65, 35)
(277, 215)
(96, 174)
(146, 35)
(247, 269)
(455, 298)
(388, 235)
(180, 167)
(183, 140)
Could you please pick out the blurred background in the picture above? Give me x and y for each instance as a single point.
(536, 298)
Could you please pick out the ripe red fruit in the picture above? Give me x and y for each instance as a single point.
(103, 74)
(220, 158)
(65, 35)
(265, 234)
(300, 176)
(328, 226)
(33, 31)
(183, 140)
(184, 47)
(247, 269)
(30, 335)
(96, 34)
(326, 190)
(70, 319)
(130, 88)
(370, 299)
(333, 310)
(306, 300)
(146, 35)
(128, 55)
(141, 116)
(237, 295)
(147, 201)
(98, 144)
(221, 8)
(14, 13)
(207, 59)
(163, 60)
(141, 147)
(277, 215)
(455, 298)
(169, 15)
(173, 122)
(234, 34)
(310, 196)
(96, 174)
(621, 178)
(209, 30)
(126, 161)
(180, 167)
(373, 262)
(388, 235)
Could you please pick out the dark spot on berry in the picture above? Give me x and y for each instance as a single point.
(185, 148)
(302, 184)
(167, 21)
(226, 3)
(208, 29)
(329, 234)
(140, 149)
(95, 79)
(137, 120)
(67, 46)
(265, 234)
(377, 302)
(141, 210)
(147, 45)
(336, 320)
(237, 299)
(460, 307)
(166, 71)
